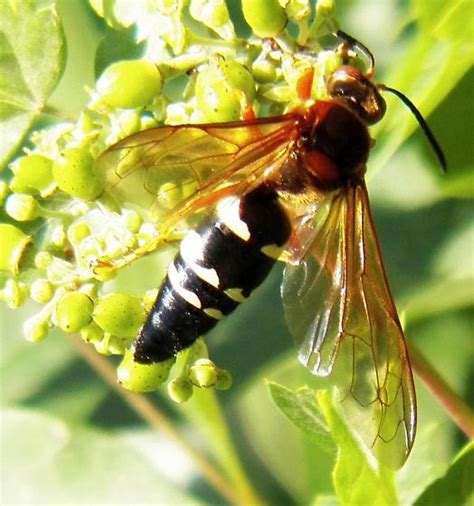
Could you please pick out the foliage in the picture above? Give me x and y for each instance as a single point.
(66, 437)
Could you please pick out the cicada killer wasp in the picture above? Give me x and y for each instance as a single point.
(287, 188)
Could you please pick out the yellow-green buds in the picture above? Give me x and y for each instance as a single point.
(75, 174)
(22, 207)
(223, 90)
(119, 314)
(73, 311)
(42, 291)
(14, 293)
(129, 84)
(203, 373)
(33, 174)
(180, 389)
(13, 244)
(142, 377)
(35, 329)
(223, 380)
(267, 18)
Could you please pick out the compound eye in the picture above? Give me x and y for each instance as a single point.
(349, 85)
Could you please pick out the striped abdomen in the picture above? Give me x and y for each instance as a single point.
(217, 267)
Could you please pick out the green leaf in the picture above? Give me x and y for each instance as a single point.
(300, 467)
(456, 487)
(428, 458)
(45, 461)
(438, 56)
(358, 478)
(301, 408)
(437, 297)
(451, 286)
(33, 59)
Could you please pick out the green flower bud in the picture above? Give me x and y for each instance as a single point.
(43, 260)
(110, 345)
(128, 122)
(33, 173)
(142, 377)
(325, 7)
(116, 345)
(214, 14)
(238, 77)
(223, 89)
(180, 389)
(22, 207)
(35, 329)
(119, 314)
(129, 84)
(296, 10)
(264, 71)
(13, 244)
(42, 291)
(203, 373)
(75, 174)
(267, 18)
(92, 333)
(77, 232)
(74, 311)
(223, 380)
(102, 346)
(132, 220)
(14, 293)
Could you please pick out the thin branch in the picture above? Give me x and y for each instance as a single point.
(148, 411)
(456, 408)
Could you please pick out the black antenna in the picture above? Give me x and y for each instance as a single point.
(422, 122)
(348, 39)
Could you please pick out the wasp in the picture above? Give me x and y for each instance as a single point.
(288, 188)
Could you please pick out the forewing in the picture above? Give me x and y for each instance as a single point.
(175, 170)
(340, 310)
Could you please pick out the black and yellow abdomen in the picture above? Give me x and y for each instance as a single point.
(217, 267)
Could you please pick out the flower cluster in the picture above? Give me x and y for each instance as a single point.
(66, 237)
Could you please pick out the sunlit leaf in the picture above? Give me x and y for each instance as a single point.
(33, 59)
(437, 57)
(301, 408)
(358, 479)
(456, 487)
(438, 297)
(425, 463)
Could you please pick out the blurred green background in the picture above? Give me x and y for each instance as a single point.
(67, 438)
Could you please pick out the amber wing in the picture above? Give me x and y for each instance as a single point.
(340, 310)
(177, 170)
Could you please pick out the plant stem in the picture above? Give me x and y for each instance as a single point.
(149, 412)
(457, 409)
(206, 413)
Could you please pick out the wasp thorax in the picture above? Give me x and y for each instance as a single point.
(350, 85)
